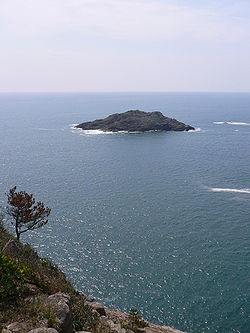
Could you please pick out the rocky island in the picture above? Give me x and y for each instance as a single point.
(135, 121)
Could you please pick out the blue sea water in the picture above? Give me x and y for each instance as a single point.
(156, 221)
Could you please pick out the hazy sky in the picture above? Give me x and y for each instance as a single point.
(124, 45)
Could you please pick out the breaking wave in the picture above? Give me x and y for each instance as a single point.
(230, 190)
(94, 132)
(98, 131)
(91, 132)
(235, 123)
(194, 131)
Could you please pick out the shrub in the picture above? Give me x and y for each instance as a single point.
(13, 277)
(134, 321)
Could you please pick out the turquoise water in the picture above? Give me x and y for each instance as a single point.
(140, 220)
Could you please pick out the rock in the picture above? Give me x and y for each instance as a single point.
(103, 325)
(115, 328)
(98, 307)
(136, 121)
(142, 330)
(152, 328)
(17, 327)
(11, 249)
(32, 289)
(106, 325)
(43, 330)
(90, 298)
(171, 330)
(60, 305)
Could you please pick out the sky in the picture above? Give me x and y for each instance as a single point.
(124, 45)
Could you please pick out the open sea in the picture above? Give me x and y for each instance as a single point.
(158, 221)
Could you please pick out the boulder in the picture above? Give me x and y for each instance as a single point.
(171, 330)
(43, 330)
(17, 327)
(90, 298)
(98, 307)
(106, 325)
(60, 305)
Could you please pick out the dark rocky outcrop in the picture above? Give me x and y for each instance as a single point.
(135, 121)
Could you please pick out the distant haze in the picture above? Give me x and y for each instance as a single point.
(124, 45)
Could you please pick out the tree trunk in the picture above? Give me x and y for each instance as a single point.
(17, 232)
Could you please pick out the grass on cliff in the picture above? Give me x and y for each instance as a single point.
(135, 321)
(25, 279)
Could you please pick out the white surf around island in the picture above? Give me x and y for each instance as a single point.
(234, 123)
(96, 132)
(197, 130)
(80, 131)
(229, 190)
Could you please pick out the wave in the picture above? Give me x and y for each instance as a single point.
(94, 132)
(234, 123)
(74, 128)
(230, 190)
(194, 131)
(237, 123)
(98, 131)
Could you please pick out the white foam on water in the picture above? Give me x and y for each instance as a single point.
(198, 129)
(234, 123)
(94, 132)
(230, 190)
(74, 129)
(73, 125)
(237, 123)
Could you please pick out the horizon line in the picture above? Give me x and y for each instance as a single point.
(125, 92)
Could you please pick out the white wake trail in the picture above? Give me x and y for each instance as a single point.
(230, 190)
